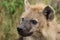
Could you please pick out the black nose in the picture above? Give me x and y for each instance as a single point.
(19, 29)
(23, 32)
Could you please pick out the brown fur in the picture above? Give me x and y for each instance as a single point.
(45, 30)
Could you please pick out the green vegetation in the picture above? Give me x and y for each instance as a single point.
(10, 12)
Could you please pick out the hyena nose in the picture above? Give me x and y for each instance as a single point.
(20, 29)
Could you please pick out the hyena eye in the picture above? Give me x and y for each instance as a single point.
(33, 22)
(22, 19)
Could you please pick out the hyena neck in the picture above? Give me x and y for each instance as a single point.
(33, 38)
(30, 38)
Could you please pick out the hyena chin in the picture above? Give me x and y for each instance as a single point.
(37, 23)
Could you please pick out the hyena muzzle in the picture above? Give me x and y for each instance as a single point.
(37, 22)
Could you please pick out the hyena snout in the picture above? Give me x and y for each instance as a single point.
(24, 29)
(21, 30)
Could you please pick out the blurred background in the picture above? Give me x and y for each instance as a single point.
(10, 12)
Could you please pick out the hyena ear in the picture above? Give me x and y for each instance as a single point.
(48, 13)
(27, 5)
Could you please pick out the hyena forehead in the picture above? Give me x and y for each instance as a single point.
(38, 6)
(34, 8)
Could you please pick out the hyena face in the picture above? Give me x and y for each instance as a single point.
(34, 19)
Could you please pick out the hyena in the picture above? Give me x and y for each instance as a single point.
(37, 22)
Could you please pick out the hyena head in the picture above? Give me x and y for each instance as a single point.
(34, 19)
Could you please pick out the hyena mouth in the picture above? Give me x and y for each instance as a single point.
(24, 33)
